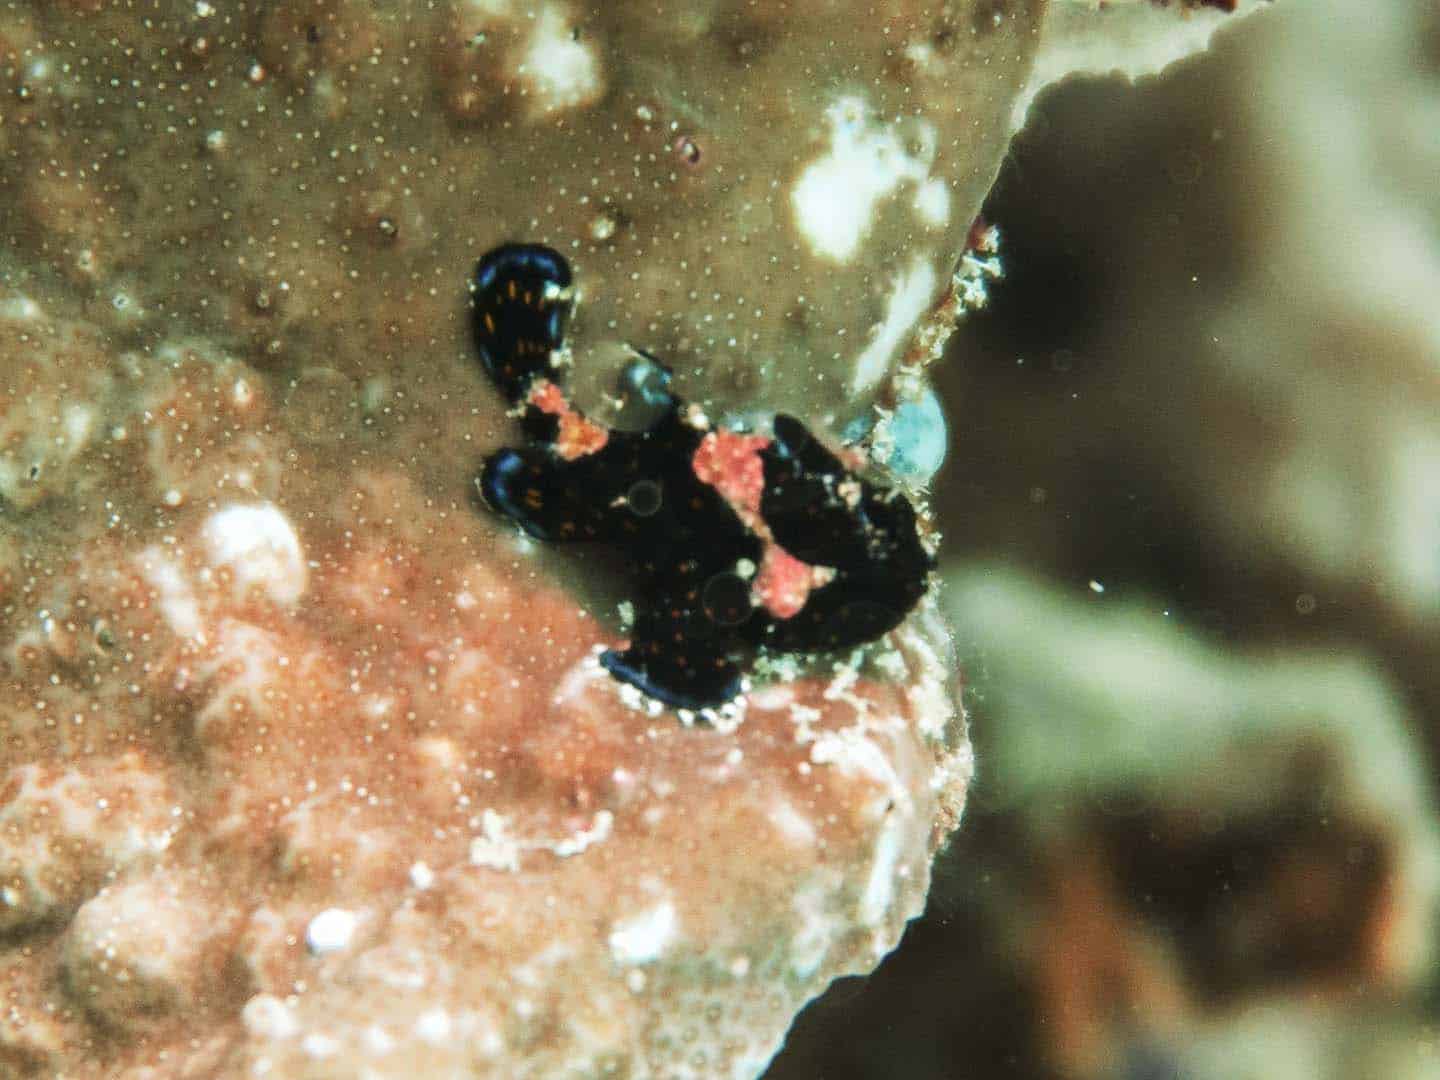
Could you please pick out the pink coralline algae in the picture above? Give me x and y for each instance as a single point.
(336, 781)
(311, 770)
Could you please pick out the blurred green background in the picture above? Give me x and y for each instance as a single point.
(1192, 521)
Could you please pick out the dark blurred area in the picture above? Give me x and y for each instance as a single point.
(1192, 524)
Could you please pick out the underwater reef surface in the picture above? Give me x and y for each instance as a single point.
(307, 764)
(765, 196)
(307, 767)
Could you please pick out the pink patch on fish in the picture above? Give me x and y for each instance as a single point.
(577, 436)
(548, 398)
(784, 582)
(730, 463)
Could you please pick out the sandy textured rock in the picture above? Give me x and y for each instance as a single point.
(153, 944)
(756, 194)
(64, 826)
(306, 767)
(392, 764)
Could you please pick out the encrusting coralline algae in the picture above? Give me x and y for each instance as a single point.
(308, 769)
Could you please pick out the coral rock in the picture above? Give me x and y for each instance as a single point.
(151, 945)
(308, 769)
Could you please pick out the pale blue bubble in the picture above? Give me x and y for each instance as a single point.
(921, 438)
(918, 435)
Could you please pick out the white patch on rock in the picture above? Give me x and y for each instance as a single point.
(174, 594)
(498, 848)
(838, 194)
(910, 298)
(495, 848)
(267, 1017)
(78, 422)
(854, 753)
(319, 1045)
(259, 546)
(562, 71)
(434, 1026)
(598, 832)
(378, 1041)
(927, 675)
(791, 824)
(19, 309)
(932, 202)
(816, 931)
(573, 689)
(330, 931)
(879, 892)
(642, 939)
(772, 698)
(242, 670)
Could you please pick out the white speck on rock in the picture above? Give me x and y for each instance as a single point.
(330, 931)
(433, 1026)
(268, 1017)
(421, 876)
(642, 939)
